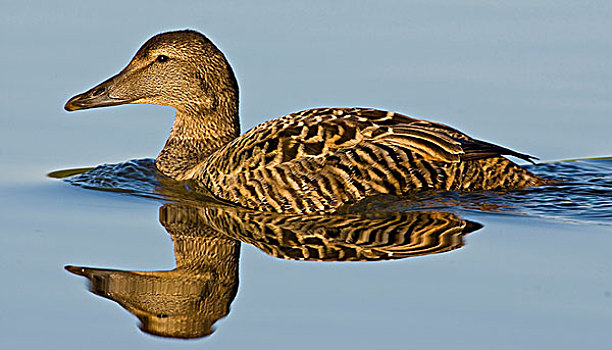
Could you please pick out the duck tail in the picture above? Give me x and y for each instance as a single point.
(498, 173)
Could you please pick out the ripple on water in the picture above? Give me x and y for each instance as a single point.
(584, 194)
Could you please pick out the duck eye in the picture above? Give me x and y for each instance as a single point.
(161, 58)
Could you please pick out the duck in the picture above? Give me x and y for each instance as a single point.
(312, 161)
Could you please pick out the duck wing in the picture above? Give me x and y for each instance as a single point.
(318, 159)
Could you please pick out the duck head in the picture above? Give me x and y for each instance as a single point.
(181, 69)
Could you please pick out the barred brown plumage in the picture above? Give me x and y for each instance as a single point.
(273, 168)
(310, 161)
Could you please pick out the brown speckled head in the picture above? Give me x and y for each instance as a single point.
(181, 69)
(184, 70)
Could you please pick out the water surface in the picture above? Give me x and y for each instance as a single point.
(187, 301)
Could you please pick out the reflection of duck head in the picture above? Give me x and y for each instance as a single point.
(184, 302)
(188, 300)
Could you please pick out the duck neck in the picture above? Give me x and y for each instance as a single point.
(196, 133)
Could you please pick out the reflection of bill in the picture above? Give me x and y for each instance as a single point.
(187, 301)
(184, 302)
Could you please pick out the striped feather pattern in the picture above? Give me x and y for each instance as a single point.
(320, 159)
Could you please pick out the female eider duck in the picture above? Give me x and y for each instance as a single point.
(310, 161)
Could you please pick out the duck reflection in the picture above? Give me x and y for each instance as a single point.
(184, 302)
(187, 301)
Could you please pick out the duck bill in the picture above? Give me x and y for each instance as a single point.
(98, 96)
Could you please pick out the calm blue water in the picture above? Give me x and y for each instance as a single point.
(535, 77)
